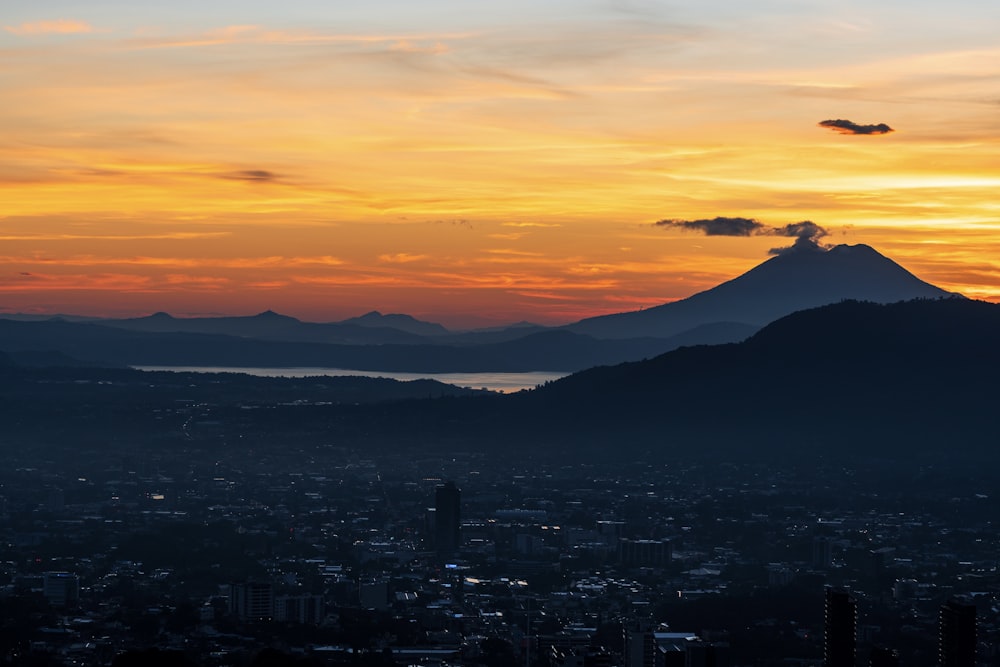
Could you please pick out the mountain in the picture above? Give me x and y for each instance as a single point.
(273, 326)
(546, 350)
(806, 277)
(397, 321)
(882, 379)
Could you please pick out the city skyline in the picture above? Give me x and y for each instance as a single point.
(484, 165)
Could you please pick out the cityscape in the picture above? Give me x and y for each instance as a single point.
(315, 553)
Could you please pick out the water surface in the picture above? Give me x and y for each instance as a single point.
(505, 382)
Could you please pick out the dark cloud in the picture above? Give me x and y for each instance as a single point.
(802, 244)
(719, 226)
(252, 175)
(805, 229)
(807, 234)
(850, 127)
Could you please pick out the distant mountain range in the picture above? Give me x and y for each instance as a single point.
(729, 312)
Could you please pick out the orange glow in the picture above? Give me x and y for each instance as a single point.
(469, 175)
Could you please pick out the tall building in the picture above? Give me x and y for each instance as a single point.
(252, 601)
(957, 633)
(299, 609)
(822, 553)
(840, 623)
(640, 645)
(61, 589)
(707, 654)
(447, 518)
(645, 553)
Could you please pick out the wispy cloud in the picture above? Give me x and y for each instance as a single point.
(58, 27)
(74, 283)
(252, 175)
(273, 262)
(401, 258)
(254, 34)
(178, 236)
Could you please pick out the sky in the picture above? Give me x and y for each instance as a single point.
(476, 163)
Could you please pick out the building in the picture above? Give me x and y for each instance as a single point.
(640, 645)
(957, 633)
(840, 623)
(61, 589)
(306, 609)
(707, 654)
(252, 601)
(447, 518)
(645, 553)
(373, 594)
(822, 552)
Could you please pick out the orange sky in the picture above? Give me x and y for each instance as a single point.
(473, 168)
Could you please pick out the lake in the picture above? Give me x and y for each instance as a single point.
(503, 382)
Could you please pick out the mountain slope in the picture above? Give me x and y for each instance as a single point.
(792, 281)
(851, 376)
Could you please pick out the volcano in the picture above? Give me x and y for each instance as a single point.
(800, 278)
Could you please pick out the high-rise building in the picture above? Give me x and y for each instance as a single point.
(299, 609)
(61, 589)
(822, 553)
(707, 654)
(840, 623)
(252, 601)
(957, 633)
(447, 518)
(640, 645)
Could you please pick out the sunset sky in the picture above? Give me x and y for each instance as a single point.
(475, 163)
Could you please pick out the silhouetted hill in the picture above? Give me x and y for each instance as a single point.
(843, 376)
(792, 281)
(270, 326)
(50, 359)
(546, 350)
(399, 322)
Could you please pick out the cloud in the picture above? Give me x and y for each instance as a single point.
(252, 175)
(806, 233)
(850, 127)
(401, 258)
(177, 236)
(60, 27)
(719, 226)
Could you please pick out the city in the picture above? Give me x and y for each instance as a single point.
(328, 554)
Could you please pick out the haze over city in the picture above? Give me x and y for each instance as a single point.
(474, 163)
